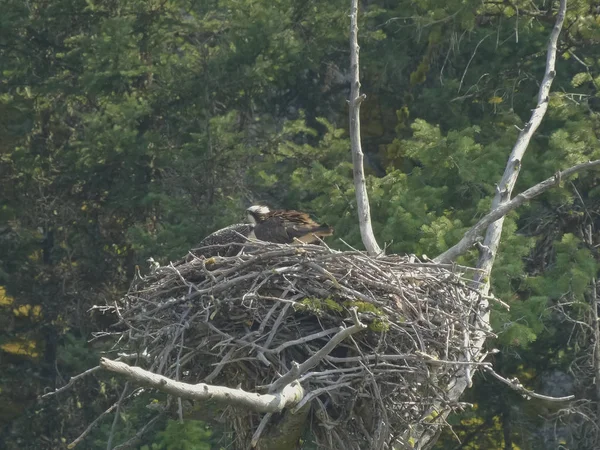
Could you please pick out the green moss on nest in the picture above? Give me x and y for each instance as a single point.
(379, 325)
(365, 307)
(318, 306)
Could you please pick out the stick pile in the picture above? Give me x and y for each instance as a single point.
(243, 321)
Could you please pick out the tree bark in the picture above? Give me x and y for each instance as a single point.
(360, 184)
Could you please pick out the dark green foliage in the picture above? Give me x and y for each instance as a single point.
(190, 435)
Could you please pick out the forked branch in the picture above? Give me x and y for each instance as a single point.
(516, 385)
(494, 229)
(476, 230)
(513, 166)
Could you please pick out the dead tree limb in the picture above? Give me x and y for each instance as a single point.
(513, 167)
(427, 437)
(287, 397)
(502, 210)
(516, 385)
(71, 382)
(360, 184)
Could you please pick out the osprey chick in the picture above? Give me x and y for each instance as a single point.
(285, 226)
(220, 242)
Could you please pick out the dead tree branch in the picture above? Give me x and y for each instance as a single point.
(289, 396)
(516, 385)
(476, 230)
(360, 184)
(513, 167)
(71, 382)
(480, 315)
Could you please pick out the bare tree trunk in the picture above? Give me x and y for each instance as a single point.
(360, 185)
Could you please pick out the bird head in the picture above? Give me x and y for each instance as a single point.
(256, 213)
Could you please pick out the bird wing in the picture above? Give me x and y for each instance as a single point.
(308, 234)
(288, 226)
(272, 230)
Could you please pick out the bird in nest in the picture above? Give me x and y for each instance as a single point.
(227, 241)
(285, 226)
(277, 226)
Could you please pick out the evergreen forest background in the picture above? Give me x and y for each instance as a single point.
(132, 129)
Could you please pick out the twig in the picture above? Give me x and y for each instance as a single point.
(517, 386)
(261, 427)
(211, 376)
(113, 427)
(467, 350)
(469, 63)
(322, 353)
(71, 382)
(135, 440)
(91, 426)
(178, 372)
(303, 340)
(276, 325)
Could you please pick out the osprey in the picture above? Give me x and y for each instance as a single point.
(285, 226)
(220, 242)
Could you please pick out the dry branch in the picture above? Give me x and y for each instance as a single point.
(289, 396)
(513, 166)
(426, 436)
(476, 230)
(516, 385)
(360, 184)
(71, 382)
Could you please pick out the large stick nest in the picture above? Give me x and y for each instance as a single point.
(242, 321)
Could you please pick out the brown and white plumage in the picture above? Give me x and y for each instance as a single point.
(285, 226)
